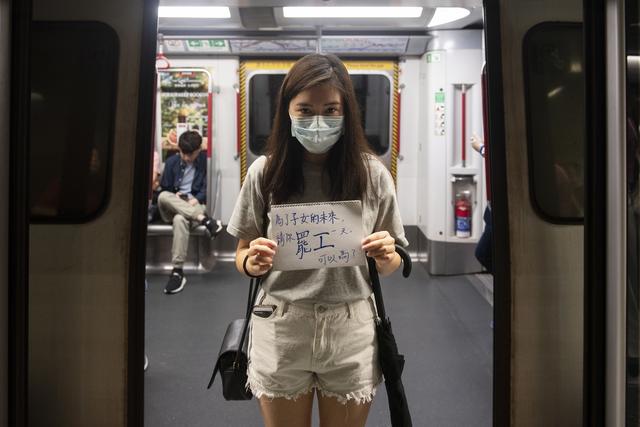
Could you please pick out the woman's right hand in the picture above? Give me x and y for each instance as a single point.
(261, 252)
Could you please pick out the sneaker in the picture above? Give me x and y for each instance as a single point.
(176, 283)
(146, 362)
(213, 226)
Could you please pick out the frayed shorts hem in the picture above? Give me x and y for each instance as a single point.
(362, 396)
(260, 391)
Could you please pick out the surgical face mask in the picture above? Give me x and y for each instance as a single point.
(317, 134)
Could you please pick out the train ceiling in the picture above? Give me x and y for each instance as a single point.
(256, 15)
(261, 28)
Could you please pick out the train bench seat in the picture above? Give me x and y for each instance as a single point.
(159, 241)
(164, 229)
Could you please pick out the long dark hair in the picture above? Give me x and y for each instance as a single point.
(346, 164)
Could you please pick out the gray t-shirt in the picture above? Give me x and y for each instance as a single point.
(330, 285)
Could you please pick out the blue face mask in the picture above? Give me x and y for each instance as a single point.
(317, 134)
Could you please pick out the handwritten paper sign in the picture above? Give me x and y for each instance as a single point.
(317, 235)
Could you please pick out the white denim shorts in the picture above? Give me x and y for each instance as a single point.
(329, 347)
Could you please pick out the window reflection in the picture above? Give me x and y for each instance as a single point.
(72, 98)
(373, 93)
(555, 109)
(263, 94)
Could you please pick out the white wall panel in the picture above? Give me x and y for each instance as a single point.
(409, 137)
(441, 154)
(422, 183)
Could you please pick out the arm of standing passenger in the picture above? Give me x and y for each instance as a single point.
(260, 253)
(477, 144)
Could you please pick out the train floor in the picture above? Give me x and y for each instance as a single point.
(442, 324)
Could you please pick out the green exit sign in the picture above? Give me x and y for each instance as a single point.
(434, 57)
(207, 43)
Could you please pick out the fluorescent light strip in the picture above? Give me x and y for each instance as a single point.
(444, 15)
(352, 12)
(216, 12)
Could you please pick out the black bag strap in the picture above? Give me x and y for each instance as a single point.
(375, 284)
(254, 287)
(375, 278)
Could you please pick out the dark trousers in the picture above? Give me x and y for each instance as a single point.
(483, 250)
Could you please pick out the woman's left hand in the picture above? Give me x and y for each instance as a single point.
(380, 246)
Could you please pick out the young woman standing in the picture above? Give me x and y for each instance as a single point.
(320, 339)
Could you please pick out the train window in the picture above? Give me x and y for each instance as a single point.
(73, 91)
(554, 99)
(263, 94)
(373, 93)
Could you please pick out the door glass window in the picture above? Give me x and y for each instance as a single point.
(263, 96)
(632, 18)
(373, 92)
(554, 100)
(73, 89)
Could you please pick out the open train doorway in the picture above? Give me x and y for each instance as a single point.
(418, 85)
(78, 224)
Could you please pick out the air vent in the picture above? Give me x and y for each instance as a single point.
(254, 18)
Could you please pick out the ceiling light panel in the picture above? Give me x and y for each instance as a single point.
(444, 15)
(210, 12)
(352, 12)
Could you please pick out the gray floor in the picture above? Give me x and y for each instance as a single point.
(441, 324)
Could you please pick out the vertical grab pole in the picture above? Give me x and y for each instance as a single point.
(485, 131)
(463, 122)
(209, 124)
(238, 124)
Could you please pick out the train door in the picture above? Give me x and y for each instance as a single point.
(535, 74)
(92, 67)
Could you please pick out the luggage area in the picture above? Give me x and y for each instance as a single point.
(442, 325)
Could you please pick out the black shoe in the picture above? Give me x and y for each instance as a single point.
(213, 227)
(176, 283)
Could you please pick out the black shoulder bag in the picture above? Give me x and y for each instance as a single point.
(232, 358)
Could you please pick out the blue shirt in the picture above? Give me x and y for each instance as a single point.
(187, 179)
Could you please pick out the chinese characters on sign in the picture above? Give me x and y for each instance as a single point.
(317, 235)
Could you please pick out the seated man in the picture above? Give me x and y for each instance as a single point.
(184, 187)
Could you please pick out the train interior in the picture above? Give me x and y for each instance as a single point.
(418, 81)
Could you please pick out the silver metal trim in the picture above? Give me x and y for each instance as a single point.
(415, 45)
(616, 214)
